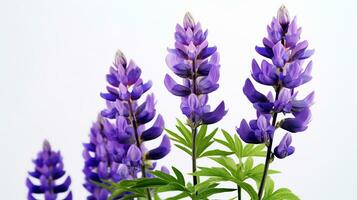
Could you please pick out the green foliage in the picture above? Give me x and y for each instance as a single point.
(183, 140)
(281, 194)
(235, 145)
(167, 183)
(236, 165)
(239, 171)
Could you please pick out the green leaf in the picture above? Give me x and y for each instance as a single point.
(254, 150)
(209, 183)
(229, 139)
(173, 186)
(175, 137)
(257, 172)
(185, 132)
(213, 171)
(212, 191)
(179, 196)
(248, 165)
(224, 143)
(202, 132)
(283, 194)
(238, 146)
(226, 162)
(179, 176)
(205, 142)
(216, 152)
(185, 149)
(150, 183)
(248, 188)
(166, 177)
(132, 196)
(269, 187)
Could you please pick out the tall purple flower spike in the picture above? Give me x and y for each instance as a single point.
(198, 66)
(104, 160)
(126, 117)
(283, 69)
(48, 169)
(285, 73)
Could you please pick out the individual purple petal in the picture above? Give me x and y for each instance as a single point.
(299, 105)
(206, 52)
(214, 116)
(280, 55)
(165, 170)
(182, 70)
(266, 52)
(297, 124)
(252, 94)
(134, 153)
(284, 149)
(246, 133)
(155, 131)
(133, 73)
(174, 88)
(293, 34)
(204, 68)
(123, 170)
(161, 151)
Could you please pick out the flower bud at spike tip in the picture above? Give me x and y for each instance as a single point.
(120, 58)
(188, 21)
(283, 15)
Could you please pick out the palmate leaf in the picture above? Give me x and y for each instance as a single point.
(256, 173)
(165, 183)
(281, 194)
(222, 174)
(235, 145)
(183, 140)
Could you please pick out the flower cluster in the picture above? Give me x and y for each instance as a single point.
(48, 169)
(284, 72)
(198, 65)
(116, 150)
(103, 161)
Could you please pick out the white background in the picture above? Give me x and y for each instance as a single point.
(54, 56)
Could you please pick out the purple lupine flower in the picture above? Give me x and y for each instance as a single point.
(257, 131)
(48, 169)
(103, 160)
(284, 149)
(198, 65)
(126, 118)
(283, 69)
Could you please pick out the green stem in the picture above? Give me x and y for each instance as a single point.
(239, 192)
(138, 144)
(194, 166)
(269, 152)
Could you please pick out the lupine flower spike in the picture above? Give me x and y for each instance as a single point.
(284, 70)
(48, 170)
(198, 66)
(125, 118)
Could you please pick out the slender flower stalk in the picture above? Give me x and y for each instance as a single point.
(126, 118)
(284, 72)
(198, 66)
(48, 169)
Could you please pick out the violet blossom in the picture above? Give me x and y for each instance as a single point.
(127, 118)
(198, 66)
(48, 170)
(284, 72)
(283, 69)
